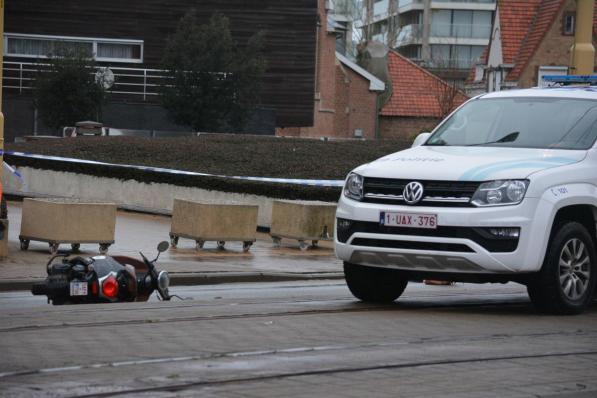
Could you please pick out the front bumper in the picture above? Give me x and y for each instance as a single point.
(440, 251)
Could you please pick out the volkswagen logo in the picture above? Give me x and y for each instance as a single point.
(413, 192)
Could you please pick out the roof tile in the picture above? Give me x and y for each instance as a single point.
(416, 91)
(515, 18)
(543, 21)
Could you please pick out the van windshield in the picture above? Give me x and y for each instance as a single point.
(525, 122)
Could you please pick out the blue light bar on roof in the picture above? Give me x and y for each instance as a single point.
(571, 79)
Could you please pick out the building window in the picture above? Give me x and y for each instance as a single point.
(41, 46)
(466, 24)
(568, 24)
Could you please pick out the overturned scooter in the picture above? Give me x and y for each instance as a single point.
(103, 279)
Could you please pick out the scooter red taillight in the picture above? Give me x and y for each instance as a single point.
(110, 287)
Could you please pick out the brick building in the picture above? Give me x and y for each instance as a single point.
(129, 37)
(419, 99)
(346, 95)
(529, 39)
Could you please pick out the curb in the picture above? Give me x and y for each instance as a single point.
(214, 278)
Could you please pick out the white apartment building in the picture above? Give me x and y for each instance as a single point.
(438, 34)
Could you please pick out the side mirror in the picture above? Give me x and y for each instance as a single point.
(421, 138)
(163, 246)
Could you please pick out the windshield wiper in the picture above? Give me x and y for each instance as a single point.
(507, 138)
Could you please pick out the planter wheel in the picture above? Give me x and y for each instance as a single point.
(103, 248)
(75, 247)
(277, 241)
(247, 246)
(24, 244)
(303, 245)
(53, 247)
(221, 244)
(199, 244)
(173, 241)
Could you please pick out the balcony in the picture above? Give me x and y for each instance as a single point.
(380, 37)
(487, 5)
(461, 31)
(408, 5)
(466, 1)
(409, 34)
(462, 63)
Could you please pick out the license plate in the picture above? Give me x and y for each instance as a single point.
(78, 288)
(410, 220)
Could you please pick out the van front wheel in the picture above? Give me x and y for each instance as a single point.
(567, 279)
(371, 284)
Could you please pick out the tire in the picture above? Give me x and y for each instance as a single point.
(567, 278)
(39, 289)
(375, 285)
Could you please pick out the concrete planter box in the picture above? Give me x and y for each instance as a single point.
(302, 221)
(213, 222)
(59, 221)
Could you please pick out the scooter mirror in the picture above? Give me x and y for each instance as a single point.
(163, 246)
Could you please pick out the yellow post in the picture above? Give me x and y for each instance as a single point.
(582, 52)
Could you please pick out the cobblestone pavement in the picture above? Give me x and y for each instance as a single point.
(299, 339)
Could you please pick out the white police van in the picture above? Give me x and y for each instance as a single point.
(504, 189)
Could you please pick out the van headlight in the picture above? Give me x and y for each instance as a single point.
(500, 193)
(353, 188)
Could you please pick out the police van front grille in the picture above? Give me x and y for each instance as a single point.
(436, 193)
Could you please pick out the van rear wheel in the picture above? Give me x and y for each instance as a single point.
(567, 279)
(376, 285)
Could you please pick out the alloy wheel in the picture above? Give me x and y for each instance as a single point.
(575, 269)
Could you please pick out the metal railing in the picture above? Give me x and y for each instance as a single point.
(141, 83)
(409, 34)
(461, 31)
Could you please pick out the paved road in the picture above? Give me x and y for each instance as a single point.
(299, 339)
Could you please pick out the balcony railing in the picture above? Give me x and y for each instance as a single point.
(404, 3)
(409, 34)
(140, 83)
(465, 1)
(451, 63)
(463, 31)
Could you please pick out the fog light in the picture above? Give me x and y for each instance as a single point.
(505, 232)
(344, 224)
(343, 229)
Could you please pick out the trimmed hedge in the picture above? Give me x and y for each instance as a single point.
(214, 154)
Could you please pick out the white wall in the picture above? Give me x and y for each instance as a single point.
(129, 194)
